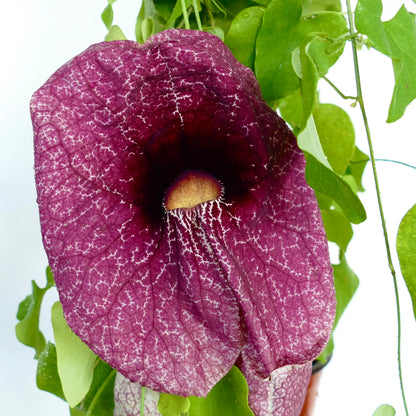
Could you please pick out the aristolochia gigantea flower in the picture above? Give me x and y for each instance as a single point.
(177, 221)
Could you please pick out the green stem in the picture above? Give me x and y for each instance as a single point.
(380, 205)
(142, 401)
(185, 14)
(198, 20)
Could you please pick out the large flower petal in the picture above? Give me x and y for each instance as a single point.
(173, 299)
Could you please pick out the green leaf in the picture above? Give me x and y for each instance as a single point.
(356, 168)
(322, 5)
(224, 12)
(115, 33)
(395, 38)
(291, 109)
(326, 354)
(324, 201)
(27, 330)
(74, 359)
(25, 305)
(100, 399)
(47, 377)
(215, 30)
(241, 38)
(148, 21)
(309, 142)
(385, 410)
(338, 228)
(277, 38)
(49, 277)
(170, 405)
(307, 73)
(336, 134)
(76, 412)
(107, 14)
(325, 181)
(164, 8)
(284, 29)
(147, 28)
(406, 250)
(228, 397)
(346, 284)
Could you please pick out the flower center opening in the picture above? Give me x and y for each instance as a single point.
(192, 188)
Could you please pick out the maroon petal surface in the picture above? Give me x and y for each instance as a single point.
(172, 299)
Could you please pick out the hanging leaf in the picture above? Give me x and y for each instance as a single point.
(338, 228)
(74, 359)
(148, 22)
(99, 400)
(164, 8)
(108, 14)
(170, 405)
(284, 28)
(215, 30)
(395, 38)
(385, 410)
(224, 12)
(307, 73)
(241, 38)
(291, 110)
(325, 181)
(356, 168)
(115, 33)
(336, 134)
(309, 142)
(27, 330)
(406, 250)
(275, 42)
(322, 5)
(346, 284)
(47, 377)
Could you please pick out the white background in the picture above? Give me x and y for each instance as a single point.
(37, 38)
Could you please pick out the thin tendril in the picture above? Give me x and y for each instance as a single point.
(185, 14)
(358, 162)
(380, 205)
(345, 97)
(396, 161)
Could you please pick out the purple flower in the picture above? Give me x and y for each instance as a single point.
(173, 293)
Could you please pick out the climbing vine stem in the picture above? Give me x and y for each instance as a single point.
(360, 101)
